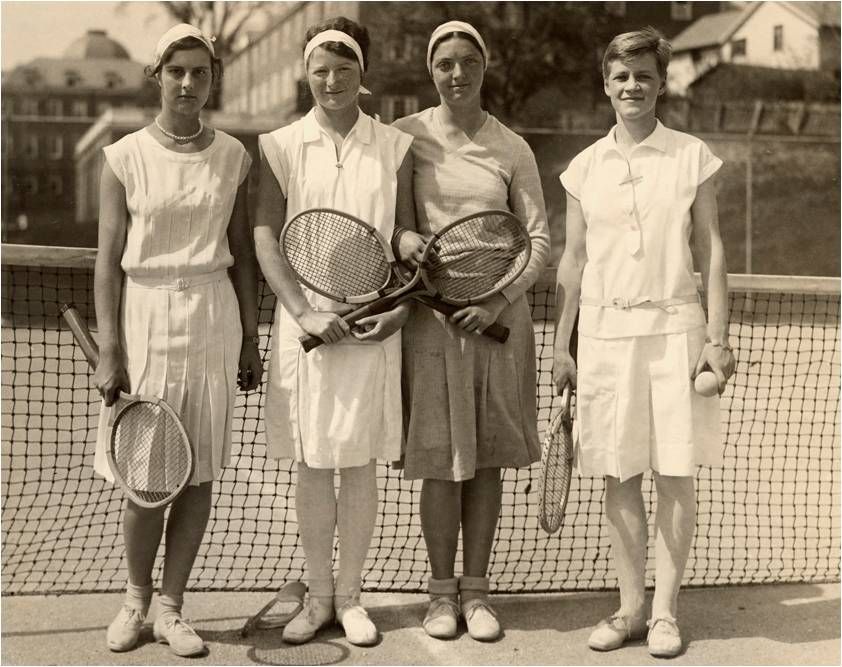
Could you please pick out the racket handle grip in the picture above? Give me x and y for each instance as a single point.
(494, 330)
(81, 333)
(310, 342)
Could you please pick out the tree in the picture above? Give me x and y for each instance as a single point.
(225, 22)
(535, 46)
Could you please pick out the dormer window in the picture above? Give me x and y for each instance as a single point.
(31, 76)
(72, 78)
(113, 80)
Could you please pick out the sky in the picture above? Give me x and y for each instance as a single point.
(32, 29)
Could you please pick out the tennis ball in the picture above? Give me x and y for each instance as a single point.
(705, 384)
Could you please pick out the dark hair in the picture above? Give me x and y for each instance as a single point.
(187, 44)
(461, 35)
(349, 27)
(638, 42)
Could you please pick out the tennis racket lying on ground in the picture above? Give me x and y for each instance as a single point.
(556, 466)
(149, 452)
(345, 259)
(288, 601)
(465, 263)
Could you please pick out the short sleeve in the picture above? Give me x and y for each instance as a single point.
(709, 164)
(270, 149)
(115, 157)
(245, 166)
(573, 177)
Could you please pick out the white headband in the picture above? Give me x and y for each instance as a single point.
(177, 32)
(335, 36)
(342, 38)
(455, 26)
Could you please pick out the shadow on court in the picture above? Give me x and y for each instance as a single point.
(782, 624)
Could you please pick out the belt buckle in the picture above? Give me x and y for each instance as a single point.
(620, 302)
(181, 284)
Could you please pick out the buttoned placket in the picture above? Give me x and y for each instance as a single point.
(633, 232)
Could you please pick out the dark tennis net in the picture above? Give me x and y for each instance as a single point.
(769, 515)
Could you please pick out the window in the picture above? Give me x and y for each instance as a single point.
(28, 107)
(113, 80)
(31, 76)
(738, 48)
(8, 144)
(55, 185)
(400, 50)
(55, 108)
(681, 11)
(393, 107)
(72, 78)
(30, 146)
(79, 108)
(778, 38)
(30, 185)
(56, 147)
(615, 8)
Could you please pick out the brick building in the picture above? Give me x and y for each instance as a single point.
(47, 105)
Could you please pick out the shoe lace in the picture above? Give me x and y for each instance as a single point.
(177, 625)
(131, 616)
(442, 605)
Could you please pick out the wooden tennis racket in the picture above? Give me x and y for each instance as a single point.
(149, 452)
(345, 259)
(467, 262)
(556, 466)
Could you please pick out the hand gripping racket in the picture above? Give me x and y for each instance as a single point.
(467, 262)
(343, 258)
(556, 466)
(149, 452)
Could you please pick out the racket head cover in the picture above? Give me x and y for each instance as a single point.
(556, 469)
(476, 257)
(337, 255)
(150, 454)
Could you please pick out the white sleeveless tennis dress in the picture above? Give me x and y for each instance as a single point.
(179, 315)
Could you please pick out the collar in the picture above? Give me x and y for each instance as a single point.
(362, 130)
(657, 140)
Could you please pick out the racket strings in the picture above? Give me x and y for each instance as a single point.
(149, 451)
(477, 257)
(336, 255)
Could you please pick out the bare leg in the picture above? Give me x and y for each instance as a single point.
(142, 531)
(185, 530)
(675, 523)
(440, 518)
(626, 516)
(481, 497)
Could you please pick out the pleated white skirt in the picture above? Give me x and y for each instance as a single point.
(338, 406)
(182, 342)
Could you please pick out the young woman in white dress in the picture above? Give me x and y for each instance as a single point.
(634, 199)
(175, 288)
(338, 407)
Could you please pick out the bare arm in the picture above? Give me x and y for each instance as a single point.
(271, 213)
(111, 376)
(568, 289)
(710, 254)
(244, 278)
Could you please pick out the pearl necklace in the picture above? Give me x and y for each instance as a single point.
(177, 139)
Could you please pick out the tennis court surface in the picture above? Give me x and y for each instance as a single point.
(772, 624)
(769, 516)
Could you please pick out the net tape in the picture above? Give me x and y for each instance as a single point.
(769, 515)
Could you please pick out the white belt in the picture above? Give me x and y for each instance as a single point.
(624, 303)
(176, 284)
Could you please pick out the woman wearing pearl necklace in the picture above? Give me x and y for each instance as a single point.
(176, 303)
